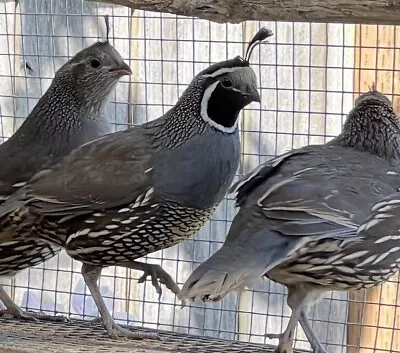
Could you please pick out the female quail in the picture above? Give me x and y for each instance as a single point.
(299, 214)
(69, 114)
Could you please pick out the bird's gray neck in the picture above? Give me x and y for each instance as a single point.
(65, 106)
(63, 120)
(180, 123)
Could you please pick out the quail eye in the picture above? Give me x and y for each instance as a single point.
(226, 82)
(95, 63)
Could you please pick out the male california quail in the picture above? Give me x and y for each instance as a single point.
(137, 191)
(69, 114)
(299, 213)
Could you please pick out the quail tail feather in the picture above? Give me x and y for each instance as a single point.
(222, 273)
(233, 267)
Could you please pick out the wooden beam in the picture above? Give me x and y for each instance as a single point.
(235, 11)
(373, 317)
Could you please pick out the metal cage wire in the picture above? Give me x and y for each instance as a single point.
(308, 75)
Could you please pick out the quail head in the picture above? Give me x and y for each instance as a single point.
(299, 214)
(68, 115)
(144, 189)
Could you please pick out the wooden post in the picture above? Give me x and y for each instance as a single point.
(349, 11)
(373, 317)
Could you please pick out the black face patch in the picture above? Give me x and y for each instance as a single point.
(225, 105)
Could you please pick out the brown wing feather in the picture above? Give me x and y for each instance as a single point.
(108, 172)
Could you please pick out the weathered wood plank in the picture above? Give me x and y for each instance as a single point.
(344, 11)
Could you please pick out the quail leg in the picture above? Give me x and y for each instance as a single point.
(16, 312)
(286, 338)
(91, 275)
(298, 297)
(310, 334)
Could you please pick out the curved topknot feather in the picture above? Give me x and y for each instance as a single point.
(107, 22)
(258, 39)
(238, 61)
(372, 88)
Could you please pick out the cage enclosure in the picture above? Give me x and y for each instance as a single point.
(309, 75)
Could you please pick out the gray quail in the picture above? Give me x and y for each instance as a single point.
(299, 214)
(68, 115)
(147, 188)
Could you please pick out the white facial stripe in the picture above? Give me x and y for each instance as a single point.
(204, 115)
(224, 71)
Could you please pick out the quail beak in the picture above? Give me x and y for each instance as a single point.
(253, 94)
(122, 69)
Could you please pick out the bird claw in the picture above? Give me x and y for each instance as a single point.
(33, 316)
(96, 321)
(159, 276)
(284, 346)
(115, 331)
(154, 281)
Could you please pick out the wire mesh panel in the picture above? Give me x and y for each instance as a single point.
(49, 337)
(308, 75)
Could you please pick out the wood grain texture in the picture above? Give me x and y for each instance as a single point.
(235, 11)
(373, 318)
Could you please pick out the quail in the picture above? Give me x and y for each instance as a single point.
(299, 214)
(144, 189)
(68, 115)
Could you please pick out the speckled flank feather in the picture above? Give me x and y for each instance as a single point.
(69, 114)
(16, 255)
(300, 215)
(163, 227)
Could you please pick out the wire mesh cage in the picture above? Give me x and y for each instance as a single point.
(309, 75)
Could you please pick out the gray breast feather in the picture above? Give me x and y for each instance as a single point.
(199, 173)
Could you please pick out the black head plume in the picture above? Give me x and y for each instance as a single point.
(238, 61)
(372, 88)
(373, 96)
(107, 21)
(258, 38)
